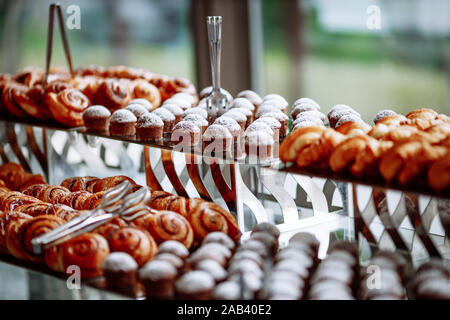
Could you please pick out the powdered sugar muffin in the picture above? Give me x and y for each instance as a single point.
(282, 118)
(182, 103)
(276, 100)
(383, 114)
(266, 108)
(259, 144)
(259, 126)
(96, 118)
(167, 117)
(217, 138)
(186, 133)
(274, 124)
(122, 123)
(149, 127)
(137, 109)
(176, 110)
(243, 103)
(200, 111)
(201, 122)
(143, 102)
(238, 116)
(311, 115)
(186, 96)
(251, 96)
(337, 112)
(233, 127)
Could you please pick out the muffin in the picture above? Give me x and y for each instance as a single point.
(268, 228)
(185, 96)
(282, 118)
(246, 112)
(217, 138)
(174, 260)
(137, 109)
(196, 110)
(243, 103)
(120, 270)
(186, 133)
(259, 126)
(233, 127)
(274, 124)
(195, 285)
(122, 123)
(143, 102)
(251, 96)
(96, 118)
(213, 268)
(197, 120)
(338, 111)
(219, 237)
(237, 116)
(176, 110)
(228, 290)
(149, 127)
(259, 144)
(180, 102)
(174, 247)
(167, 117)
(158, 278)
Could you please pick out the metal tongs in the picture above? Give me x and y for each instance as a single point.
(217, 101)
(117, 201)
(56, 7)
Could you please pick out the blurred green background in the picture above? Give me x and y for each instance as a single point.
(316, 48)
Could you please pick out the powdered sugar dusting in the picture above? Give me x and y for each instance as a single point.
(149, 120)
(187, 126)
(229, 123)
(123, 116)
(200, 111)
(271, 122)
(176, 110)
(217, 131)
(164, 114)
(194, 281)
(383, 114)
(97, 111)
(119, 261)
(277, 115)
(259, 138)
(259, 126)
(236, 115)
(242, 103)
(137, 109)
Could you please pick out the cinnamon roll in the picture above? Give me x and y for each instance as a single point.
(29, 230)
(207, 217)
(87, 251)
(113, 94)
(142, 89)
(67, 106)
(136, 242)
(31, 101)
(168, 225)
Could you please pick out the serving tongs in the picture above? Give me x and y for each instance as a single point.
(217, 101)
(117, 201)
(51, 19)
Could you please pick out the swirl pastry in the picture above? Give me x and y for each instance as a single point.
(78, 183)
(167, 225)
(87, 251)
(10, 223)
(136, 242)
(142, 89)
(21, 246)
(113, 94)
(33, 209)
(67, 106)
(74, 199)
(31, 101)
(207, 217)
(11, 202)
(10, 91)
(112, 226)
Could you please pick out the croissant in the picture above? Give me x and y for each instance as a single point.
(366, 163)
(167, 225)
(67, 106)
(345, 153)
(396, 158)
(113, 94)
(354, 128)
(439, 173)
(136, 242)
(142, 89)
(419, 164)
(87, 251)
(318, 152)
(297, 141)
